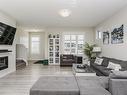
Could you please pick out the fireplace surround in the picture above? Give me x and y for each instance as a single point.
(3, 62)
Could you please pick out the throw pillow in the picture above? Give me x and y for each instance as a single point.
(98, 61)
(114, 66)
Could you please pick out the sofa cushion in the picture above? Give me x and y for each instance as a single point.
(101, 68)
(91, 86)
(67, 60)
(94, 65)
(122, 63)
(55, 85)
(104, 70)
(105, 61)
(65, 56)
(118, 75)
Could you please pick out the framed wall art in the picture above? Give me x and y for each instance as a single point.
(117, 35)
(106, 37)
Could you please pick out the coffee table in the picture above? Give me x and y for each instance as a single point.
(86, 71)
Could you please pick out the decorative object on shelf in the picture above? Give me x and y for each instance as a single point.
(96, 50)
(54, 49)
(106, 38)
(57, 48)
(51, 48)
(117, 35)
(54, 36)
(50, 36)
(57, 35)
(51, 54)
(88, 50)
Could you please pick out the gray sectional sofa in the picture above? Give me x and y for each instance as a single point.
(102, 70)
(111, 83)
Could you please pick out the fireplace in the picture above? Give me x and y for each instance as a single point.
(3, 62)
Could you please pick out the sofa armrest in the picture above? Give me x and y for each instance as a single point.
(118, 86)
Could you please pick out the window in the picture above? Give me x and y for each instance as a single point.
(73, 44)
(98, 35)
(35, 44)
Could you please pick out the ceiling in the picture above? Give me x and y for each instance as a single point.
(85, 13)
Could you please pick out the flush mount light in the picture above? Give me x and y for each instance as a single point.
(65, 12)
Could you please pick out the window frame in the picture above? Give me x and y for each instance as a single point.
(98, 35)
(35, 42)
(76, 44)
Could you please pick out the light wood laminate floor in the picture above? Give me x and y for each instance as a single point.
(20, 81)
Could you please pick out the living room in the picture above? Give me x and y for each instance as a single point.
(77, 46)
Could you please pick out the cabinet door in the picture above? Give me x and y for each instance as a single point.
(54, 48)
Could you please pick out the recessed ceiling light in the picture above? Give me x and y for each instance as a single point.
(65, 12)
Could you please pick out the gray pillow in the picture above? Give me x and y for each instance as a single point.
(118, 75)
(105, 61)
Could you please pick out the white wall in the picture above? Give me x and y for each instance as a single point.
(22, 37)
(21, 53)
(118, 51)
(12, 58)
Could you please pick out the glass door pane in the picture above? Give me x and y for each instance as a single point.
(35, 44)
(73, 37)
(80, 47)
(80, 37)
(67, 37)
(73, 44)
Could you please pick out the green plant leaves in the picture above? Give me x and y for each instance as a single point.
(88, 50)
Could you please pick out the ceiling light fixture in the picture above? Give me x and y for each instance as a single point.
(65, 12)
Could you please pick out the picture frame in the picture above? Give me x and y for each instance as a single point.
(117, 35)
(106, 36)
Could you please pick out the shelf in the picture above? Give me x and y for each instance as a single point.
(5, 51)
(54, 49)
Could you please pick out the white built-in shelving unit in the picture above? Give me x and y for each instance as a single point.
(54, 49)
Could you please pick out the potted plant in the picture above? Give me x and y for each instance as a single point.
(88, 51)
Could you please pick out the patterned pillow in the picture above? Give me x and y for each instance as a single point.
(98, 61)
(114, 66)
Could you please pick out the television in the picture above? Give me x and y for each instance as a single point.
(7, 34)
